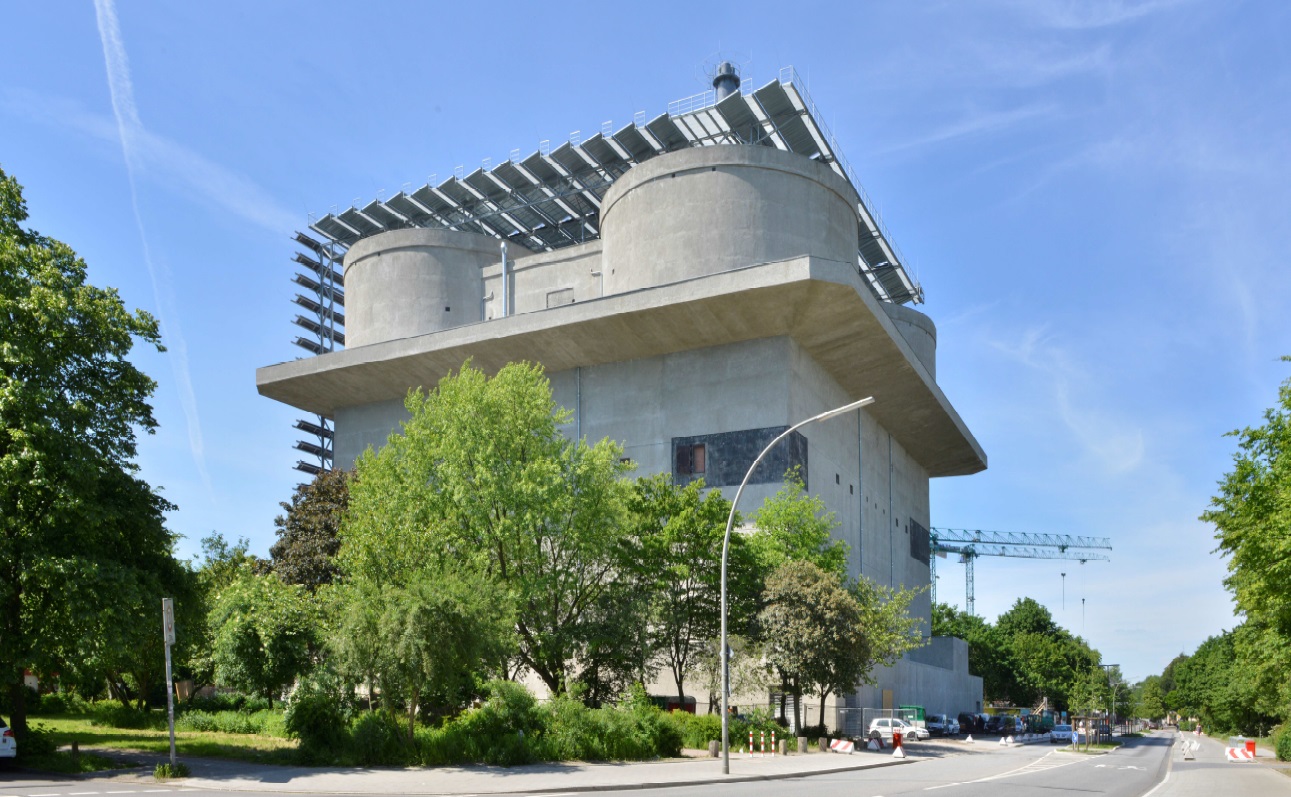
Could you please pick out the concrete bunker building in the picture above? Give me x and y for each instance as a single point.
(693, 284)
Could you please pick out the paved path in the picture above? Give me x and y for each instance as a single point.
(1212, 775)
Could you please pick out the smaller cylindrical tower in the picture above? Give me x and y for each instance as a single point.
(726, 80)
(411, 282)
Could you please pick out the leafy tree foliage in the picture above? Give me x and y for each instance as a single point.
(481, 475)
(1215, 685)
(264, 632)
(1023, 657)
(82, 545)
(794, 525)
(436, 634)
(678, 534)
(1252, 517)
(1150, 699)
(309, 532)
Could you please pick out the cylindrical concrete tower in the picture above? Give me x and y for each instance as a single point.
(706, 210)
(410, 282)
(919, 331)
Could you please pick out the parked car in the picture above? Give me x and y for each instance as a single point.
(1002, 724)
(1061, 733)
(8, 745)
(939, 725)
(883, 728)
(970, 723)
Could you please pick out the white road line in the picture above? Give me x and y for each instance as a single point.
(942, 786)
(127, 791)
(77, 793)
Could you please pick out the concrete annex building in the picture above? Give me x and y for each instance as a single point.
(694, 285)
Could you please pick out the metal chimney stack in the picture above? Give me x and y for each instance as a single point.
(726, 81)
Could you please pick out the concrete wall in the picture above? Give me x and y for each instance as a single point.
(919, 331)
(935, 677)
(409, 282)
(711, 209)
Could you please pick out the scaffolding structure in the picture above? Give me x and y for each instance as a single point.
(552, 199)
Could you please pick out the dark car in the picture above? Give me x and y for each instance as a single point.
(970, 723)
(1001, 723)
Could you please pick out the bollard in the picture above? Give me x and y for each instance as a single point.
(784, 747)
(773, 744)
(750, 744)
(803, 745)
(763, 739)
(824, 744)
(76, 753)
(714, 748)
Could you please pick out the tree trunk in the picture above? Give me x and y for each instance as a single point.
(18, 714)
(824, 693)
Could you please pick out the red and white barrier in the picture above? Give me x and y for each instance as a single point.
(842, 746)
(1239, 754)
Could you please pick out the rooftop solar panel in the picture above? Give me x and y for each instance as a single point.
(549, 200)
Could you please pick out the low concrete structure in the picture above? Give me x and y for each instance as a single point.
(721, 303)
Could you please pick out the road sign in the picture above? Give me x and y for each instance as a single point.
(168, 619)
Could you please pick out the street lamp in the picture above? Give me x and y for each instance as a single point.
(726, 544)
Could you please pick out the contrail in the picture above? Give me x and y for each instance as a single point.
(130, 130)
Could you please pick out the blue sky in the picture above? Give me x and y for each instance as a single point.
(1094, 196)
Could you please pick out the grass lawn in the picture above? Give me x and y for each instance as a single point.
(236, 746)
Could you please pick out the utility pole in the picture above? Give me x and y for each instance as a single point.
(1064, 592)
(168, 627)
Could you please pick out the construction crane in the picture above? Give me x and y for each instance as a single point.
(971, 543)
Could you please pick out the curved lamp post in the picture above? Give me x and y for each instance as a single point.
(726, 543)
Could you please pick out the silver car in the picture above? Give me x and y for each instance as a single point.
(8, 745)
(1060, 733)
(883, 728)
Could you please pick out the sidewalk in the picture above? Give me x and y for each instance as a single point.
(1211, 773)
(240, 776)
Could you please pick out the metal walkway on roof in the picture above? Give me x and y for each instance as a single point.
(552, 198)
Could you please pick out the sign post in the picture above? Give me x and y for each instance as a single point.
(168, 625)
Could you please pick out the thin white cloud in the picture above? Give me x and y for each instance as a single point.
(1106, 439)
(131, 132)
(162, 162)
(975, 124)
(1092, 14)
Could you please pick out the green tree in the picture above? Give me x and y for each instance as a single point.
(1150, 699)
(678, 533)
(1252, 517)
(71, 404)
(481, 474)
(990, 656)
(794, 525)
(309, 532)
(438, 633)
(264, 632)
(822, 635)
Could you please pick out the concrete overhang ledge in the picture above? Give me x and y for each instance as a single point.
(821, 304)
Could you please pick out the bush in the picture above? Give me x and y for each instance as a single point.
(378, 739)
(316, 715)
(164, 770)
(111, 714)
(58, 703)
(697, 730)
(38, 741)
(1282, 742)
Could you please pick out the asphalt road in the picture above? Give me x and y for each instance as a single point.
(1130, 771)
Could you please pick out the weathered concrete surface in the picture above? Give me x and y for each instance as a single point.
(820, 304)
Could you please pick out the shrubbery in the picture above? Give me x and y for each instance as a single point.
(1282, 742)
(264, 722)
(318, 716)
(111, 714)
(57, 703)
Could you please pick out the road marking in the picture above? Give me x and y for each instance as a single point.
(943, 786)
(75, 793)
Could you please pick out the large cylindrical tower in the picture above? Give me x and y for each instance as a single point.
(706, 210)
(410, 282)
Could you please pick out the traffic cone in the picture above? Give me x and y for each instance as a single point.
(899, 751)
(969, 740)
